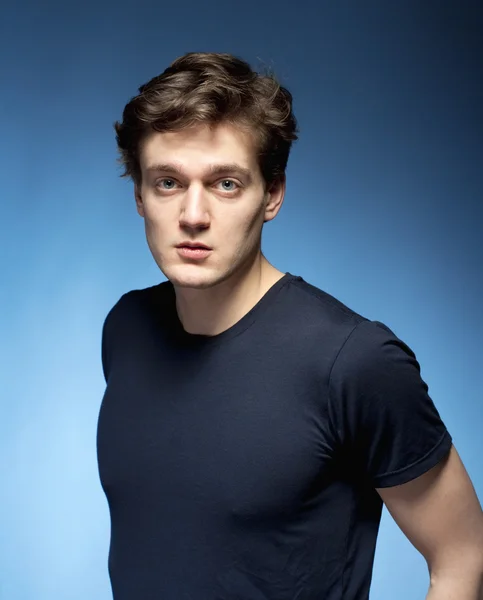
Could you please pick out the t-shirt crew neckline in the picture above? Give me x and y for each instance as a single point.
(200, 340)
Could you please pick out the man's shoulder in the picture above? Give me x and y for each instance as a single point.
(322, 301)
(321, 317)
(320, 311)
(137, 302)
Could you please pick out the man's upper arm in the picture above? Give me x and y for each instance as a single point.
(107, 334)
(388, 424)
(440, 514)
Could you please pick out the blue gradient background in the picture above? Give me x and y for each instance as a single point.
(383, 210)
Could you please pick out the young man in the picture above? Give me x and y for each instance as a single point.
(252, 425)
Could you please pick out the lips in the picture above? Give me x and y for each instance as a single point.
(201, 246)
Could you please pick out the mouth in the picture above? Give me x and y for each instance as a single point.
(194, 252)
(194, 246)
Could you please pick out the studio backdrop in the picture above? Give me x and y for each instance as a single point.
(383, 209)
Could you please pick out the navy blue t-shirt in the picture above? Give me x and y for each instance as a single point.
(243, 466)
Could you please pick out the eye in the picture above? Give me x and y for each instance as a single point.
(170, 187)
(229, 181)
(169, 184)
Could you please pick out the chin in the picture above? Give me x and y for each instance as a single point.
(192, 276)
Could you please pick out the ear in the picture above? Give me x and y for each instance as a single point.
(274, 195)
(139, 200)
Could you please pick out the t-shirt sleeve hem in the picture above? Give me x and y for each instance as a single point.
(424, 464)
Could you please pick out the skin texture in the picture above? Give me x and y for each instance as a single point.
(225, 211)
(441, 516)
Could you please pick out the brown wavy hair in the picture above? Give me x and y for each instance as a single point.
(211, 88)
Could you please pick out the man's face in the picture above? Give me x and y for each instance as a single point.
(181, 200)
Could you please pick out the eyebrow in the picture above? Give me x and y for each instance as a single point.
(217, 169)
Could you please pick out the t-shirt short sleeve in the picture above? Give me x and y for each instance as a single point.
(386, 422)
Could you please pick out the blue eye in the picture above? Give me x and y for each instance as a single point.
(161, 183)
(228, 181)
(172, 181)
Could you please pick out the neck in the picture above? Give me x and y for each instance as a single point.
(214, 310)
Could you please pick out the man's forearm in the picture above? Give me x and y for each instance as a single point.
(464, 583)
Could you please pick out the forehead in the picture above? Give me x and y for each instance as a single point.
(199, 146)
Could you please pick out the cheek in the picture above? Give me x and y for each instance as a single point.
(158, 232)
(157, 220)
(246, 221)
(240, 230)
(252, 225)
(241, 240)
(227, 225)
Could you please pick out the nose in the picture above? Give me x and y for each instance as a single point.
(194, 208)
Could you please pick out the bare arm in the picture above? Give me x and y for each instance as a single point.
(441, 516)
